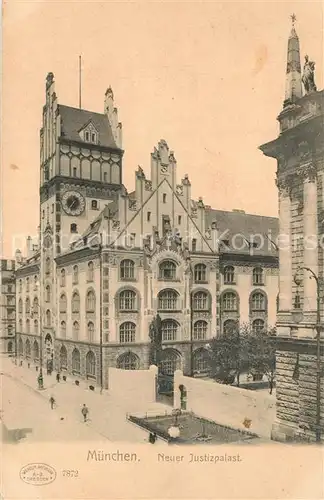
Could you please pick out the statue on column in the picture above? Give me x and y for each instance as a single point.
(308, 76)
(155, 334)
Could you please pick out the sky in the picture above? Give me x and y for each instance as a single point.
(208, 77)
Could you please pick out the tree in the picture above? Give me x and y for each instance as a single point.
(261, 353)
(228, 355)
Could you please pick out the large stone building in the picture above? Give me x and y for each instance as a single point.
(300, 179)
(108, 261)
(8, 306)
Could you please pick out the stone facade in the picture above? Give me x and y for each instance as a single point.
(299, 154)
(8, 306)
(108, 261)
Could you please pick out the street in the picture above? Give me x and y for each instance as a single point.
(26, 408)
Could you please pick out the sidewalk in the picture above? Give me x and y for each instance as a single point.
(107, 414)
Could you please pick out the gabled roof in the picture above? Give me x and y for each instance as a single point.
(75, 119)
(241, 229)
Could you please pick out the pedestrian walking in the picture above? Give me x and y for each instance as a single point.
(152, 437)
(58, 377)
(85, 412)
(52, 402)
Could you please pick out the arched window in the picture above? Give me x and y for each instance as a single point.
(229, 302)
(35, 351)
(200, 273)
(127, 300)
(48, 318)
(169, 330)
(63, 303)
(230, 326)
(20, 306)
(63, 329)
(76, 361)
(75, 302)
(90, 331)
(20, 347)
(128, 361)
(91, 301)
(200, 301)
(20, 286)
(20, 326)
(229, 275)
(201, 361)
(35, 306)
(47, 293)
(90, 364)
(258, 326)
(127, 332)
(90, 271)
(258, 301)
(63, 358)
(62, 276)
(28, 349)
(10, 329)
(200, 330)
(75, 330)
(35, 326)
(47, 265)
(75, 275)
(258, 276)
(167, 300)
(10, 347)
(167, 270)
(127, 269)
(27, 306)
(27, 284)
(27, 325)
(170, 361)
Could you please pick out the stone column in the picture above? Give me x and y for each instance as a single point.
(285, 249)
(310, 238)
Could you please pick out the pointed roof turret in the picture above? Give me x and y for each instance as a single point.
(293, 71)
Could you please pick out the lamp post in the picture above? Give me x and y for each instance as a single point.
(298, 318)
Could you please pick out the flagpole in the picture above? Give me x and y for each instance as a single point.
(80, 82)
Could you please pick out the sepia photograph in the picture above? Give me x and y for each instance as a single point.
(162, 250)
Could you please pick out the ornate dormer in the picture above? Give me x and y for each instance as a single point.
(89, 133)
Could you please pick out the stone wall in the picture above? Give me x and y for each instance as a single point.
(227, 405)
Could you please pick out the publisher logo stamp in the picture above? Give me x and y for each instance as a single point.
(37, 474)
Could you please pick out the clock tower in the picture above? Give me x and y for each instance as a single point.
(80, 172)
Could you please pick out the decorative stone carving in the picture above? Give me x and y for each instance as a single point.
(307, 172)
(194, 213)
(148, 185)
(308, 76)
(179, 190)
(115, 224)
(164, 169)
(132, 205)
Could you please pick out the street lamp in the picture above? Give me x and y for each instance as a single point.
(298, 316)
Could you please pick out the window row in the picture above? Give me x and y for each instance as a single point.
(90, 362)
(168, 300)
(76, 330)
(230, 278)
(169, 327)
(75, 274)
(230, 301)
(90, 303)
(230, 325)
(33, 280)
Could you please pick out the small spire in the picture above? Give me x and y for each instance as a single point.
(293, 71)
(109, 91)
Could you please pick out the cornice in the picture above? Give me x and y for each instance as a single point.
(241, 259)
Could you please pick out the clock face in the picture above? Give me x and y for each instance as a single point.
(73, 203)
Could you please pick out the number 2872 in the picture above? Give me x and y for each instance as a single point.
(70, 473)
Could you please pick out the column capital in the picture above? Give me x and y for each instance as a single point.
(284, 187)
(307, 172)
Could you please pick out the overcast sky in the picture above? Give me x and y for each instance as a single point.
(208, 77)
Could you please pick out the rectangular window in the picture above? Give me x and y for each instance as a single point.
(105, 177)
(148, 216)
(106, 271)
(93, 138)
(164, 198)
(94, 205)
(194, 245)
(74, 172)
(74, 228)
(105, 311)
(87, 136)
(179, 219)
(52, 208)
